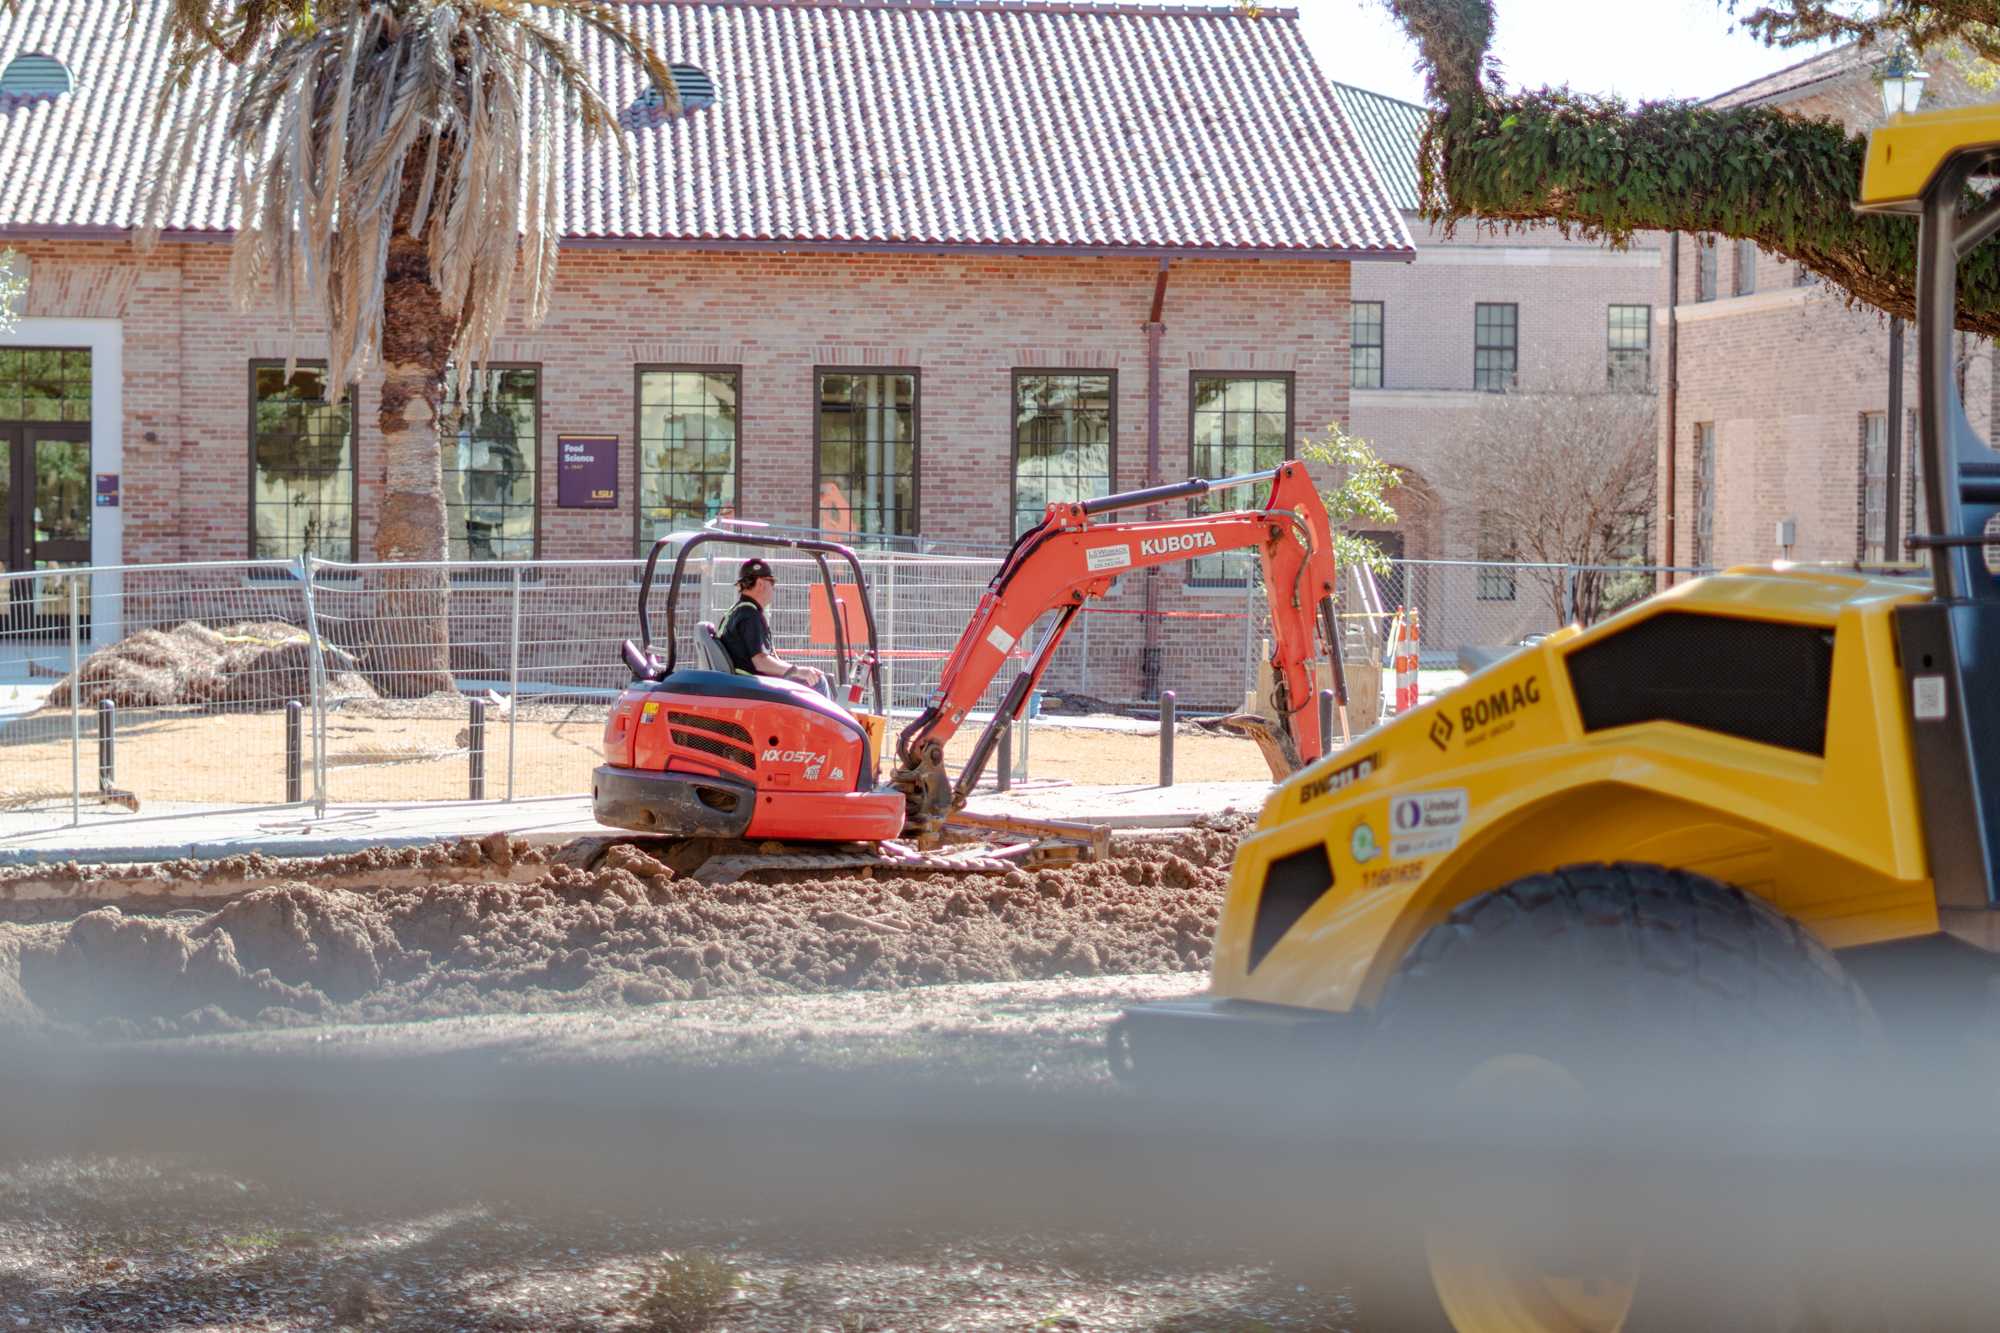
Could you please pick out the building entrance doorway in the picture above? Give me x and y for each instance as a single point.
(44, 520)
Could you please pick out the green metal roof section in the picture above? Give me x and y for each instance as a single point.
(1392, 133)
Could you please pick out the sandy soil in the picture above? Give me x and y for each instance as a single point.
(383, 751)
(331, 946)
(832, 970)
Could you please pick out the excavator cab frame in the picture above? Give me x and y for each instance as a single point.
(646, 665)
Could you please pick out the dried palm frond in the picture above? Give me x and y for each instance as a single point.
(354, 118)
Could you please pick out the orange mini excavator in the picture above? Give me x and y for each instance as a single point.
(703, 751)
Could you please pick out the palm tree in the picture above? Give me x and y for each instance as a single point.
(397, 175)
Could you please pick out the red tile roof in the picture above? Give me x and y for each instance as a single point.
(1798, 79)
(1023, 125)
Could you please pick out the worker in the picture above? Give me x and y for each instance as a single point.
(746, 634)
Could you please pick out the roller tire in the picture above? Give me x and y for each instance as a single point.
(1617, 974)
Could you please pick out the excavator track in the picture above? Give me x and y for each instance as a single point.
(710, 862)
(897, 857)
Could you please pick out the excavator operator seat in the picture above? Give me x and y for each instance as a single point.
(713, 656)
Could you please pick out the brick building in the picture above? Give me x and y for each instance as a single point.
(1481, 310)
(859, 283)
(1781, 432)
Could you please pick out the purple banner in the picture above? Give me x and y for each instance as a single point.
(586, 471)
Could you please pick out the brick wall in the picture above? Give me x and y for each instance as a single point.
(964, 323)
(1420, 418)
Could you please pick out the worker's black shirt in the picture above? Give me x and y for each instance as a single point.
(745, 634)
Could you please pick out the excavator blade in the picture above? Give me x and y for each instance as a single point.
(1277, 748)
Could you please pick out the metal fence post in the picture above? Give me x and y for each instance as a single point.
(75, 704)
(294, 752)
(107, 754)
(476, 753)
(1027, 730)
(1083, 673)
(316, 682)
(889, 633)
(513, 680)
(1167, 701)
(1249, 623)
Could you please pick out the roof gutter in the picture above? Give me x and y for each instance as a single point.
(1396, 255)
(1392, 255)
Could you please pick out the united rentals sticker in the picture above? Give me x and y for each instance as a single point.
(1426, 823)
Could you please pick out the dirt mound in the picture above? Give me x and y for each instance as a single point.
(256, 662)
(629, 933)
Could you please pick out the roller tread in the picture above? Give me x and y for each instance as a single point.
(1686, 951)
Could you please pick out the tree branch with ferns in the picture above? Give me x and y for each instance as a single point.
(1598, 168)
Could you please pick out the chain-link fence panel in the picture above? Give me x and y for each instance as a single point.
(154, 690)
(194, 687)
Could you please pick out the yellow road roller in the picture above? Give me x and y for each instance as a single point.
(1754, 812)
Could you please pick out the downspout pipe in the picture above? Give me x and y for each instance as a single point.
(1149, 669)
(1673, 400)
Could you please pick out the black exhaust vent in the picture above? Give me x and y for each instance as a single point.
(720, 726)
(721, 749)
(1291, 886)
(1759, 680)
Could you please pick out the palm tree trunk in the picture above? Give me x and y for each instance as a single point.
(412, 646)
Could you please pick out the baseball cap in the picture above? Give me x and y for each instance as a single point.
(753, 569)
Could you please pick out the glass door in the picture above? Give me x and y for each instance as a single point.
(45, 501)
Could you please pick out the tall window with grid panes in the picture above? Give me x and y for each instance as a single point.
(865, 452)
(1874, 523)
(490, 468)
(1746, 268)
(302, 465)
(1364, 322)
(1239, 424)
(1705, 263)
(1703, 554)
(1628, 354)
(689, 450)
(1063, 439)
(1496, 345)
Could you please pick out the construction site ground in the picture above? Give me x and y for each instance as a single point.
(176, 832)
(198, 1050)
(386, 750)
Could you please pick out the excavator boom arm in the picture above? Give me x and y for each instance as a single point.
(1067, 560)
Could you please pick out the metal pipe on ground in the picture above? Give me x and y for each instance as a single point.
(1167, 702)
(475, 745)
